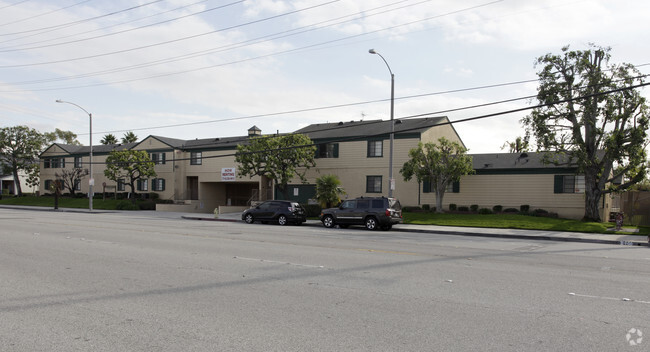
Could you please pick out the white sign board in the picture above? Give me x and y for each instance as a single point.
(228, 174)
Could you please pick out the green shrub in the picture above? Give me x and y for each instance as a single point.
(497, 208)
(154, 196)
(147, 205)
(463, 208)
(411, 209)
(126, 205)
(426, 207)
(511, 210)
(524, 208)
(474, 208)
(484, 211)
(452, 207)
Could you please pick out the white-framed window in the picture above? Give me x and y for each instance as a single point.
(373, 184)
(120, 185)
(158, 158)
(569, 184)
(158, 184)
(375, 149)
(77, 185)
(196, 158)
(77, 162)
(143, 185)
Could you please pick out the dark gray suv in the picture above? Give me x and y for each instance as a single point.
(372, 212)
(280, 211)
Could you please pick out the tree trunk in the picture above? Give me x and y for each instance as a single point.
(592, 198)
(19, 190)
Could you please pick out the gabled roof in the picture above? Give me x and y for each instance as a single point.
(84, 149)
(515, 161)
(369, 128)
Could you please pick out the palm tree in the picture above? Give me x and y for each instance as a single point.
(109, 139)
(129, 137)
(328, 190)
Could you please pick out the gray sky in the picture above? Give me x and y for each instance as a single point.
(214, 68)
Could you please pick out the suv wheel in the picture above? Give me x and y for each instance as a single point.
(249, 219)
(328, 221)
(371, 223)
(282, 220)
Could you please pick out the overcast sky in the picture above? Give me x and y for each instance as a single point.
(200, 69)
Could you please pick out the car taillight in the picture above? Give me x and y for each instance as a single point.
(388, 212)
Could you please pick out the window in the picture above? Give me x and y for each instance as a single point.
(55, 163)
(569, 184)
(363, 204)
(158, 158)
(375, 149)
(158, 184)
(348, 204)
(48, 185)
(120, 185)
(373, 184)
(429, 187)
(143, 185)
(327, 150)
(77, 185)
(77, 162)
(195, 158)
(46, 163)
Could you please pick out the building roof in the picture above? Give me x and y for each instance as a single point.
(370, 128)
(515, 161)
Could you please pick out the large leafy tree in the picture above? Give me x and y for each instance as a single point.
(129, 137)
(70, 177)
(278, 158)
(67, 137)
(439, 163)
(19, 150)
(109, 139)
(329, 190)
(593, 116)
(129, 166)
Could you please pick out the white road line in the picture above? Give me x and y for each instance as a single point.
(278, 262)
(608, 298)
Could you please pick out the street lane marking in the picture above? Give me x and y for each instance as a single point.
(279, 262)
(608, 298)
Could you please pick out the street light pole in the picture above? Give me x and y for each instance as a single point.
(91, 181)
(391, 182)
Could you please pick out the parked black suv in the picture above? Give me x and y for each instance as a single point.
(280, 211)
(373, 212)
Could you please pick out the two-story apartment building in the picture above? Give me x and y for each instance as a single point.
(200, 175)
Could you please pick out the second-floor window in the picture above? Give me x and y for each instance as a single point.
(195, 158)
(327, 150)
(77, 162)
(54, 163)
(158, 158)
(375, 149)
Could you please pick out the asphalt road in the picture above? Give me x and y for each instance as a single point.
(143, 281)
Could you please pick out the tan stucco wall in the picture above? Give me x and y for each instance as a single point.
(512, 191)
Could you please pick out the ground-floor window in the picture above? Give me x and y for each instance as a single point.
(158, 184)
(373, 184)
(569, 184)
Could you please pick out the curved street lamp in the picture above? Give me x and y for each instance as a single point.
(91, 181)
(391, 182)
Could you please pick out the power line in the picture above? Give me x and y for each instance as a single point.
(43, 14)
(125, 30)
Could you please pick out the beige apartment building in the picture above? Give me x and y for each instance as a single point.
(201, 175)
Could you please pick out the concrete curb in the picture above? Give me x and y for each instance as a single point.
(471, 234)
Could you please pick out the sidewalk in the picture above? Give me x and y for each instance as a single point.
(628, 240)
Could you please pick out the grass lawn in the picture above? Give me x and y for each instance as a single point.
(64, 202)
(513, 221)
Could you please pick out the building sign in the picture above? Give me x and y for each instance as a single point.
(228, 174)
